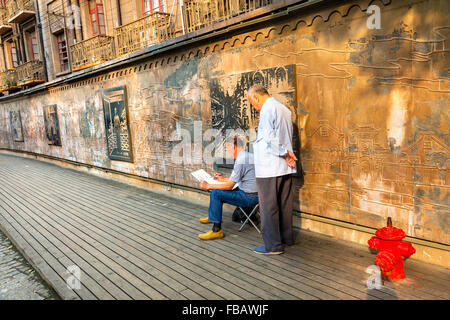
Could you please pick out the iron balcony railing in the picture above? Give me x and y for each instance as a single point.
(4, 17)
(8, 80)
(203, 13)
(92, 51)
(30, 72)
(149, 30)
(16, 7)
(5, 27)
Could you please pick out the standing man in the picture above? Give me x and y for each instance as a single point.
(274, 166)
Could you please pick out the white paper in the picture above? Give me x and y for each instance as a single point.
(205, 176)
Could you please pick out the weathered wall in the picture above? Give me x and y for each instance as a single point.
(372, 107)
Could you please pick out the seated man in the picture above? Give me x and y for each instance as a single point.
(245, 195)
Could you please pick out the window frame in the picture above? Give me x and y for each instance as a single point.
(12, 45)
(152, 10)
(33, 54)
(61, 59)
(96, 13)
(30, 33)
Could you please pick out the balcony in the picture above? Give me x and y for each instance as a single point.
(20, 10)
(147, 31)
(5, 27)
(92, 51)
(8, 80)
(203, 13)
(30, 73)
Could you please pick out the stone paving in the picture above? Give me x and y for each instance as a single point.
(18, 279)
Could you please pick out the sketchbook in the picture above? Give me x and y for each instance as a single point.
(205, 176)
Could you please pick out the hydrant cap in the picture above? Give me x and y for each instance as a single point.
(390, 233)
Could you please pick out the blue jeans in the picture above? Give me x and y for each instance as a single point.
(234, 197)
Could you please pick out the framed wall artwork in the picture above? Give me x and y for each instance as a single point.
(118, 136)
(16, 125)
(51, 124)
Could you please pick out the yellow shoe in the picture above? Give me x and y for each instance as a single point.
(205, 220)
(211, 235)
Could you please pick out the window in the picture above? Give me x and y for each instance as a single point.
(62, 51)
(32, 45)
(13, 54)
(150, 6)
(97, 17)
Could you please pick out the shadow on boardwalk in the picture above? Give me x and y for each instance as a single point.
(131, 243)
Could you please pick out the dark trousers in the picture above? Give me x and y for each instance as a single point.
(276, 197)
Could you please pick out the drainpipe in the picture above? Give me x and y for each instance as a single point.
(78, 17)
(41, 39)
(119, 13)
(182, 15)
(73, 32)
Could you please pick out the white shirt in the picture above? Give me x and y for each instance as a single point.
(273, 141)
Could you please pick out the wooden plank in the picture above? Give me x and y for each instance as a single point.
(56, 231)
(39, 238)
(323, 294)
(430, 290)
(235, 297)
(78, 244)
(247, 284)
(325, 247)
(47, 266)
(136, 229)
(112, 249)
(38, 262)
(84, 294)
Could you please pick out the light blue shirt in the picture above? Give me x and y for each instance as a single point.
(273, 141)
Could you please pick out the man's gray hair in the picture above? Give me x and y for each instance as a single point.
(236, 140)
(258, 89)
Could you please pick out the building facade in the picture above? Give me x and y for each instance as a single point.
(116, 84)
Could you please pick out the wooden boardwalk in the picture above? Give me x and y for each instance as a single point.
(132, 243)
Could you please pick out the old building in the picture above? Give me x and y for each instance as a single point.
(116, 85)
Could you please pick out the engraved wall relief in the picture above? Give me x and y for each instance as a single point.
(372, 108)
(230, 108)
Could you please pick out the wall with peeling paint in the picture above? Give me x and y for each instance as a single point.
(372, 107)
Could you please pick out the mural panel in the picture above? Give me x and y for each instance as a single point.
(52, 125)
(230, 109)
(117, 126)
(16, 125)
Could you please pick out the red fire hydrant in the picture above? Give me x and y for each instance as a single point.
(392, 251)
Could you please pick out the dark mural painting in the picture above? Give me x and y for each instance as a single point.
(229, 105)
(16, 125)
(52, 125)
(117, 125)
